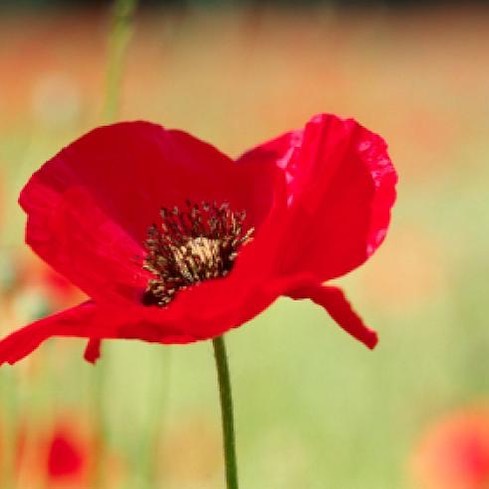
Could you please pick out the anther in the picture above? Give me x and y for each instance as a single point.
(190, 245)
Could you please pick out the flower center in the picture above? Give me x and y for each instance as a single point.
(190, 245)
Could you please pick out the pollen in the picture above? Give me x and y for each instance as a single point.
(190, 245)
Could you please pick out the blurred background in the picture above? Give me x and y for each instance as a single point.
(314, 408)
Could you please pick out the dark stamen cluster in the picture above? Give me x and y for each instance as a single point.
(188, 246)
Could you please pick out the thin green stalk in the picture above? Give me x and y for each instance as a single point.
(224, 381)
(7, 461)
(98, 476)
(149, 458)
(119, 37)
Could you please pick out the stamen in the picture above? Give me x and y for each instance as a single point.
(188, 246)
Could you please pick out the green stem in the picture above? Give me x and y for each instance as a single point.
(226, 412)
(98, 385)
(119, 37)
(9, 408)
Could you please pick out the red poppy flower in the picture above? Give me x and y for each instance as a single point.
(454, 452)
(62, 455)
(174, 242)
(69, 457)
(65, 457)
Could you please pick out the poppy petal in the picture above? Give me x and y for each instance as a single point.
(336, 304)
(212, 307)
(70, 232)
(89, 208)
(89, 320)
(341, 187)
(93, 350)
(71, 322)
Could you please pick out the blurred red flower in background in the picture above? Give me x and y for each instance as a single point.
(59, 455)
(68, 456)
(454, 453)
(174, 242)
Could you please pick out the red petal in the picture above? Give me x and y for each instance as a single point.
(92, 351)
(72, 322)
(89, 207)
(70, 232)
(214, 306)
(200, 312)
(334, 301)
(341, 187)
(93, 322)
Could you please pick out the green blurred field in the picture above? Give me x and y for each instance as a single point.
(314, 409)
